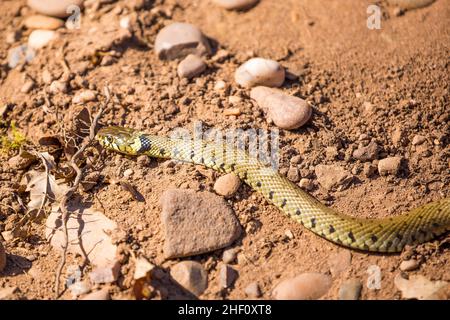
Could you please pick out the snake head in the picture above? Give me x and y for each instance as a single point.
(120, 139)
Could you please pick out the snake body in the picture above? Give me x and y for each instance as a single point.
(390, 234)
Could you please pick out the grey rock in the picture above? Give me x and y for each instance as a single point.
(229, 255)
(178, 40)
(333, 177)
(227, 276)
(195, 223)
(191, 66)
(191, 276)
(350, 290)
(389, 165)
(366, 153)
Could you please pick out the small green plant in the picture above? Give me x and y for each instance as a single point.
(12, 141)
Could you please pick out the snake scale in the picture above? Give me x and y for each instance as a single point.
(390, 234)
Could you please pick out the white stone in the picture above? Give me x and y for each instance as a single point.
(40, 38)
(260, 72)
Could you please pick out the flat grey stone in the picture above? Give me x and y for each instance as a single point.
(195, 223)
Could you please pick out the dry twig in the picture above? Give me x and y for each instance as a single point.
(79, 174)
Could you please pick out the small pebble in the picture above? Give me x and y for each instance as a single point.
(366, 153)
(229, 255)
(232, 112)
(27, 86)
(124, 23)
(350, 290)
(191, 66)
(253, 290)
(227, 185)
(84, 96)
(178, 40)
(227, 276)
(287, 112)
(369, 170)
(333, 176)
(2, 257)
(128, 173)
(55, 8)
(47, 77)
(40, 38)
(102, 294)
(389, 165)
(293, 174)
(306, 184)
(260, 72)
(20, 54)
(43, 22)
(220, 85)
(191, 276)
(79, 288)
(409, 265)
(288, 233)
(106, 274)
(296, 159)
(418, 139)
(307, 286)
(13, 36)
(236, 4)
(234, 100)
(58, 86)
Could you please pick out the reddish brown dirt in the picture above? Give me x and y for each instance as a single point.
(401, 69)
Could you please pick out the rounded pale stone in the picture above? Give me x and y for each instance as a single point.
(191, 66)
(260, 72)
(56, 8)
(43, 22)
(287, 112)
(40, 38)
(227, 185)
(307, 286)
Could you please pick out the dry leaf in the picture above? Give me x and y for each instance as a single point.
(417, 287)
(42, 187)
(88, 231)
